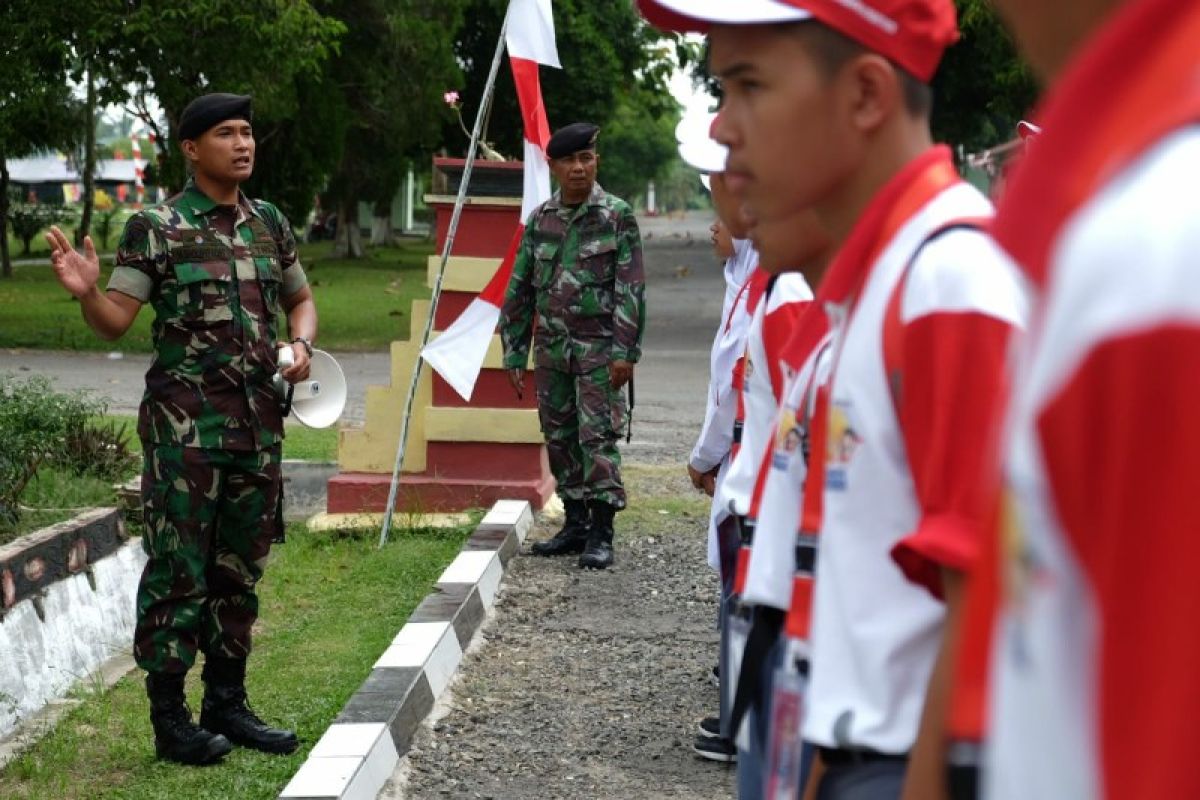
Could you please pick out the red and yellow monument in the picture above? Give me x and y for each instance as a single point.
(460, 455)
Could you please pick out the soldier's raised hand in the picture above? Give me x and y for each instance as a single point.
(77, 272)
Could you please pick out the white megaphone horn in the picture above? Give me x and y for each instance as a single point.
(319, 400)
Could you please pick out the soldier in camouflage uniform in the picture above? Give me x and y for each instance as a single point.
(579, 272)
(217, 268)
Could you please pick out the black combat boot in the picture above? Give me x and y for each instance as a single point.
(599, 551)
(225, 710)
(176, 737)
(573, 536)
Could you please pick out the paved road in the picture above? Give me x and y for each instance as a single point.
(684, 293)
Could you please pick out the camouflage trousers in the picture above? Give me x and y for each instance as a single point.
(210, 517)
(582, 417)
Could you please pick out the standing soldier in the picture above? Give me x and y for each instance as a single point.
(580, 268)
(217, 268)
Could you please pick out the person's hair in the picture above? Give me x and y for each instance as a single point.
(832, 50)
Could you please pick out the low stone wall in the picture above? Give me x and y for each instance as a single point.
(66, 607)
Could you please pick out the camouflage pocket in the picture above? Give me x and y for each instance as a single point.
(270, 277)
(545, 257)
(202, 295)
(597, 262)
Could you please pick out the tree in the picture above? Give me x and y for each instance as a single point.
(982, 88)
(637, 148)
(175, 50)
(36, 107)
(29, 219)
(389, 79)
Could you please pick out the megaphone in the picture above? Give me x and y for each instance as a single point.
(319, 400)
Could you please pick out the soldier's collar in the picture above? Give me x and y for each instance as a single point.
(595, 198)
(203, 204)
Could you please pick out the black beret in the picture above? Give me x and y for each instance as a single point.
(211, 109)
(571, 139)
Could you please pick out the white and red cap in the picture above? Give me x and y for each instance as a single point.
(912, 33)
(697, 147)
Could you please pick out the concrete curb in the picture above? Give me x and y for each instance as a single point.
(357, 754)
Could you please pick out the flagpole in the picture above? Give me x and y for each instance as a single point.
(459, 202)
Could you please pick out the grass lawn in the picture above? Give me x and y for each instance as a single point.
(305, 444)
(330, 606)
(55, 495)
(363, 304)
(39, 249)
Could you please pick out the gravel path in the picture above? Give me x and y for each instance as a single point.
(588, 685)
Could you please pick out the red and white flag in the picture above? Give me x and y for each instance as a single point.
(458, 353)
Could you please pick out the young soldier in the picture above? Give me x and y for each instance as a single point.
(1095, 687)
(216, 267)
(827, 107)
(579, 271)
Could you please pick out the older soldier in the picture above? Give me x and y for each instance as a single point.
(579, 268)
(217, 268)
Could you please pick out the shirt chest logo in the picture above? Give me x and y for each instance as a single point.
(840, 446)
(789, 441)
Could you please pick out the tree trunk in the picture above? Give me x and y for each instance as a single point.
(5, 259)
(381, 226)
(89, 162)
(348, 243)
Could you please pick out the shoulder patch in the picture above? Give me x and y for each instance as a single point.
(136, 236)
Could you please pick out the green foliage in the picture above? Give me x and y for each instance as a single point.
(637, 147)
(30, 219)
(37, 110)
(387, 82)
(175, 50)
(55, 495)
(36, 423)
(982, 87)
(99, 448)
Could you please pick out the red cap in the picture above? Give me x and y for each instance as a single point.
(912, 33)
(1027, 130)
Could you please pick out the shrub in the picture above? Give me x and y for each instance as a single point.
(39, 426)
(30, 219)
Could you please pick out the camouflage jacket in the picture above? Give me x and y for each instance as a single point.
(580, 271)
(216, 300)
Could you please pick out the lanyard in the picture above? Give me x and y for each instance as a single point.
(930, 182)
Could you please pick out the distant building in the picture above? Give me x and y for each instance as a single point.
(52, 179)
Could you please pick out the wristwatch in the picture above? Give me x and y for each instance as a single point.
(307, 344)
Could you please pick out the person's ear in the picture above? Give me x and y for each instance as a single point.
(873, 91)
(189, 149)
